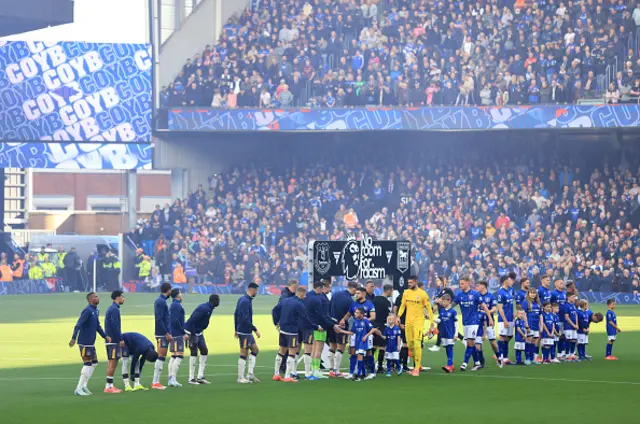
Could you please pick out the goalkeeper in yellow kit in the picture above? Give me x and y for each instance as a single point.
(414, 303)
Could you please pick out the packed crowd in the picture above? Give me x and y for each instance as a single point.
(346, 53)
(479, 212)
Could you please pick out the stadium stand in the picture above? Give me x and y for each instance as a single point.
(486, 211)
(347, 53)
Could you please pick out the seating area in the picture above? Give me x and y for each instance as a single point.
(365, 53)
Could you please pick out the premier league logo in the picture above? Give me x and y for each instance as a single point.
(351, 258)
(403, 256)
(322, 261)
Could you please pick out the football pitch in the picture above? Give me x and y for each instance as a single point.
(38, 373)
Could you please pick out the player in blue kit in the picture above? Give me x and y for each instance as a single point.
(140, 350)
(532, 309)
(84, 333)
(559, 296)
(505, 319)
(116, 348)
(585, 318)
(194, 328)
(176, 312)
(162, 333)
(522, 294)
(544, 292)
(289, 317)
(470, 303)
(520, 328)
(338, 307)
(612, 329)
(362, 331)
(484, 329)
(555, 310)
(369, 313)
(448, 324)
(392, 336)
(570, 327)
(244, 329)
(547, 332)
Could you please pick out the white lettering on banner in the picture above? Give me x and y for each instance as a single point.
(143, 60)
(38, 46)
(369, 250)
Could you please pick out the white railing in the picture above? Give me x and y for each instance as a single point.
(23, 237)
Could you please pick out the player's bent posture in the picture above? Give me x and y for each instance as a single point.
(289, 316)
(570, 314)
(612, 329)
(369, 313)
(393, 343)
(313, 303)
(243, 319)
(194, 328)
(448, 325)
(338, 308)
(116, 349)
(84, 333)
(470, 303)
(140, 350)
(176, 311)
(505, 319)
(162, 333)
(415, 302)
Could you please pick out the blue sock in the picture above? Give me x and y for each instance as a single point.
(389, 365)
(553, 351)
(476, 356)
(527, 351)
(571, 348)
(449, 355)
(398, 366)
(500, 349)
(582, 349)
(519, 356)
(361, 371)
(545, 353)
(609, 349)
(467, 353)
(536, 350)
(371, 363)
(353, 360)
(506, 350)
(481, 357)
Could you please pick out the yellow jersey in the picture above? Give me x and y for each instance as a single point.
(414, 303)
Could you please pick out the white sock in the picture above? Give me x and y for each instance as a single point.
(137, 382)
(337, 359)
(241, 364)
(170, 368)
(157, 371)
(278, 364)
(298, 360)
(330, 357)
(291, 365)
(202, 364)
(252, 363)
(84, 377)
(307, 365)
(192, 367)
(176, 367)
(125, 370)
(91, 370)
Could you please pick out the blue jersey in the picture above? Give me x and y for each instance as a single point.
(559, 297)
(521, 296)
(505, 298)
(137, 344)
(611, 318)
(361, 328)
(87, 326)
(544, 295)
(340, 304)
(570, 310)
(112, 323)
(584, 320)
(161, 313)
(490, 301)
(519, 324)
(392, 334)
(550, 323)
(448, 319)
(243, 316)
(533, 311)
(199, 319)
(556, 323)
(469, 303)
(176, 313)
(366, 305)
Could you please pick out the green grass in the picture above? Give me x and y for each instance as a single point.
(38, 372)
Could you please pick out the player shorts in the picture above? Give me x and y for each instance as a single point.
(337, 338)
(506, 331)
(392, 356)
(114, 351)
(177, 345)
(447, 342)
(610, 338)
(491, 333)
(88, 352)
(320, 336)
(162, 342)
(353, 344)
(583, 339)
(470, 332)
(307, 336)
(548, 342)
(288, 340)
(197, 341)
(519, 345)
(533, 333)
(556, 339)
(414, 332)
(571, 334)
(379, 341)
(246, 340)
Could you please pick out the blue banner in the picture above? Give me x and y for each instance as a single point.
(50, 285)
(76, 155)
(73, 91)
(426, 118)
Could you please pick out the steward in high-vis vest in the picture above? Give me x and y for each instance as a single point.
(111, 271)
(18, 267)
(48, 268)
(35, 272)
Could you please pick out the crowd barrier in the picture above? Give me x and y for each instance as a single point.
(48, 285)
